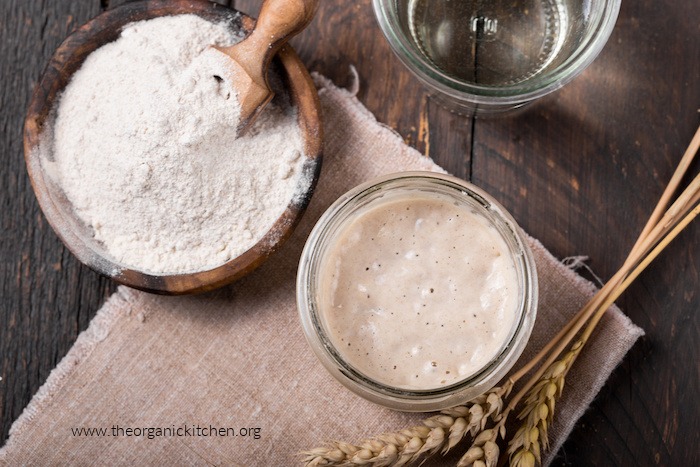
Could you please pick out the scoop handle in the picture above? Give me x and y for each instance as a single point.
(278, 21)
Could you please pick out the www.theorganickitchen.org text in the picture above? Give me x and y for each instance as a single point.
(183, 430)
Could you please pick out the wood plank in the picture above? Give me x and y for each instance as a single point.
(582, 171)
(46, 296)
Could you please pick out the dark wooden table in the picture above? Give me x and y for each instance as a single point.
(580, 171)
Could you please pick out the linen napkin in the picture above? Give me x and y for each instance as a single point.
(230, 373)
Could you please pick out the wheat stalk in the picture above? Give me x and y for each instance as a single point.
(659, 231)
(444, 431)
(438, 433)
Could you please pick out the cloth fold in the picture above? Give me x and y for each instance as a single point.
(235, 361)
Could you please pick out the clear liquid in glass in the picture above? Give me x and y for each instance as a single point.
(494, 42)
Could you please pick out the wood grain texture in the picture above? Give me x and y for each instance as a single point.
(46, 296)
(580, 170)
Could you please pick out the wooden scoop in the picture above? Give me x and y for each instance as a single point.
(278, 21)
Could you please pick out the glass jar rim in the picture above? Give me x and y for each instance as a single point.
(376, 391)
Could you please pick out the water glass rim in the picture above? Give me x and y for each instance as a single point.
(602, 25)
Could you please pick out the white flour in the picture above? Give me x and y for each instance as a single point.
(145, 148)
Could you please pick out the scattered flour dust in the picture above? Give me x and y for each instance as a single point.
(144, 145)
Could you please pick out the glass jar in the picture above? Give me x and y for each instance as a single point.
(414, 188)
(487, 57)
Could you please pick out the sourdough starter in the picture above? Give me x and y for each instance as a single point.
(419, 293)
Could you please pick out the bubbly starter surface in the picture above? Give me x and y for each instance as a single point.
(418, 292)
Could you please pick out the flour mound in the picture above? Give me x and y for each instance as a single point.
(145, 148)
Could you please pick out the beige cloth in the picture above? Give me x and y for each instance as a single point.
(237, 357)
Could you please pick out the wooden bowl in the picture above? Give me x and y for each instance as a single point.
(75, 234)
